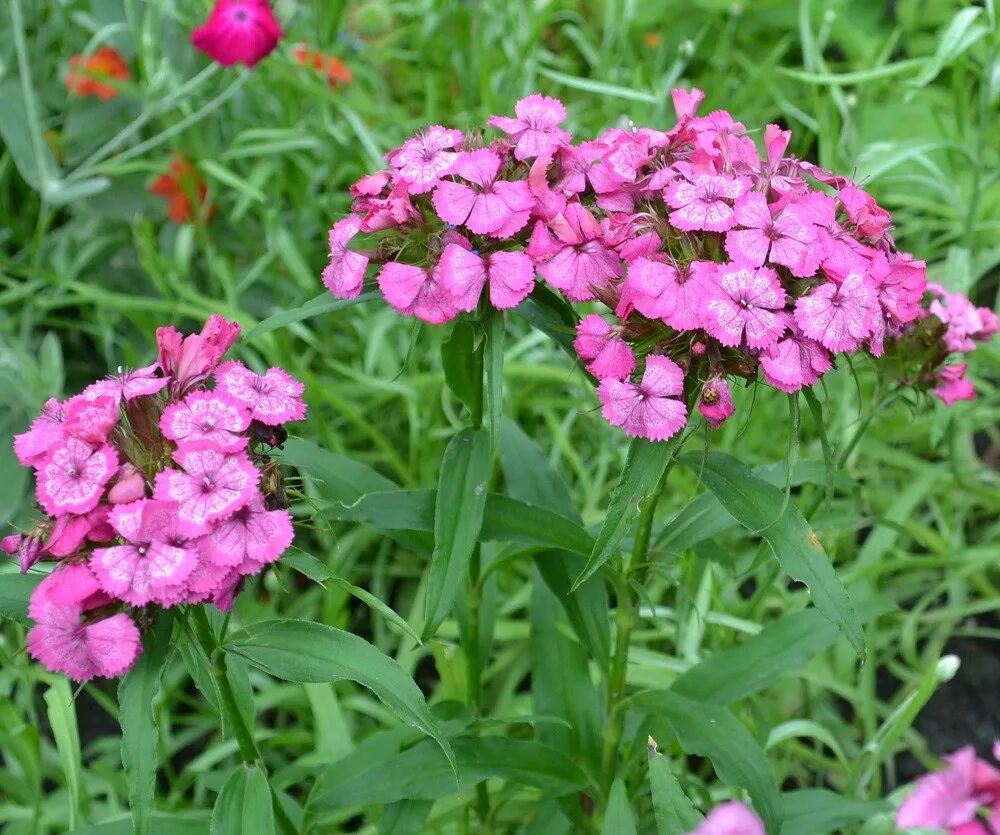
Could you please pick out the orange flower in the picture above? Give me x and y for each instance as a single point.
(179, 186)
(652, 39)
(83, 78)
(335, 70)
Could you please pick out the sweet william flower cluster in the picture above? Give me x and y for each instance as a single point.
(157, 489)
(713, 259)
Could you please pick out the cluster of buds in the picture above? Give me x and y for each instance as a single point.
(158, 489)
(715, 259)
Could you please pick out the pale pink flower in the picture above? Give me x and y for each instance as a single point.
(251, 538)
(213, 416)
(489, 206)
(535, 132)
(730, 818)
(794, 362)
(966, 323)
(129, 486)
(128, 384)
(868, 216)
(71, 478)
(190, 359)
(211, 485)
(206, 579)
(238, 32)
(91, 420)
(650, 409)
(704, 201)
(424, 159)
(785, 239)
(579, 260)
(414, 291)
(716, 401)
(952, 385)
(839, 316)
(745, 304)
(44, 434)
(345, 274)
(511, 276)
(951, 798)
(602, 348)
(371, 185)
(273, 398)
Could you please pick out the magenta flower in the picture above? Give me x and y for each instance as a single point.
(422, 161)
(44, 434)
(414, 291)
(794, 362)
(215, 417)
(785, 239)
(190, 359)
(951, 798)
(704, 201)
(489, 206)
(578, 260)
(238, 32)
(345, 274)
(731, 818)
(535, 132)
(869, 217)
(71, 478)
(129, 486)
(511, 276)
(128, 384)
(745, 304)
(272, 398)
(901, 287)
(650, 409)
(91, 420)
(839, 316)
(602, 348)
(716, 401)
(580, 165)
(252, 537)
(952, 385)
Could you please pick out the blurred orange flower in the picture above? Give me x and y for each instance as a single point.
(652, 39)
(335, 70)
(179, 185)
(83, 78)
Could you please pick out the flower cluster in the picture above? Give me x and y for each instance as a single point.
(715, 259)
(157, 489)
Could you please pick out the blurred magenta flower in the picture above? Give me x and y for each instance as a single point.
(952, 798)
(238, 32)
(731, 818)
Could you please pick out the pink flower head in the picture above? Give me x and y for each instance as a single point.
(794, 362)
(840, 316)
(388, 212)
(71, 478)
(902, 286)
(578, 261)
(69, 532)
(82, 650)
(952, 385)
(716, 401)
(659, 291)
(252, 537)
(868, 216)
(129, 384)
(601, 346)
(146, 567)
(951, 798)
(414, 291)
(424, 159)
(511, 277)
(91, 420)
(273, 398)
(966, 323)
(44, 434)
(649, 409)
(27, 549)
(535, 132)
(785, 239)
(489, 206)
(216, 417)
(704, 201)
(579, 164)
(129, 486)
(238, 32)
(345, 274)
(190, 359)
(745, 303)
(11, 545)
(211, 485)
(731, 818)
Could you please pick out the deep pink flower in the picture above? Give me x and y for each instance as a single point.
(389, 212)
(489, 206)
(425, 158)
(785, 239)
(44, 434)
(190, 359)
(650, 409)
(731, 818)
(129, 486)
(69, 532)
(794, 361)
(580, 164)
(901, 287)
(10, 545)
(345, 274)
(251, 538)
(273, 398)
(511, 277)
(71, 478)
(213, 416)
(952, 385)
(535, 132)
(841, 254)
(839, 316)
(704, 201)
(578, 259)
(91, 420)
(128, 384)
(238, 32)
(716, 401)
(414, 291)
(602, 348)
(745, 303)
(951, 798)
(868, 216)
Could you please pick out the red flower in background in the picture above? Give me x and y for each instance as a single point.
(238, 32)
(85, 73)
(179, 186)
(335, 70)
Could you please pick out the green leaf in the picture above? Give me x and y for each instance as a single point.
(15, 591)
(458, 518)
(493, 368)
(674, 812)
(458, 359)
(343, 479)
(304, 651)
(587, 607)
(405, 817)
(161, 823)
(528, 474)
(243, 807)
(962, 33)
(62, 720)
(618, 818)
(762, 508)
(551, 314)
(819, 811)
(644, 467)
(24, 141)
(317, 306)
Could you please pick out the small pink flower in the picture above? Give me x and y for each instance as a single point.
(651, 287)
(704, 201)
(44, 434)
(839, 316)
(414, 291)
(389, 212)
(71, 478)
(190, 359)
(10, 545)
(951, 798)
(785, 239)
(210, 486)
(535, 132)
(423, 160)
(251, 537)
(273, 398)
(794, 362)
(216, 417)
(489, 206)
(901, 287)
(731, 818)
(128, 384)
(601, 346)
(745, 304)
(868, 216)
(952, 385)
(578, 261)
(69, 532)
(649, 409)
(345, 274)
(966, 323)
(91, 420)
(238, 32)
(716, 402)
(129, 486)
(578, 165)
(511, 277)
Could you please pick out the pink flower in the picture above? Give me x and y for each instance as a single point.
(511, 277)
(10, 545)
(701, 201)
(839, 316)
(578, 261)
(716, 401)
(69, 532)
(211, 485)
(731, 818)
(966, 323)
(388, 212)
(273, 398)
(71, 478)
(251, 537)
(659, 291)
(535, 132)
(952, 385)
(129, 486)
(190, 359)
(424, 159)
(414, 291)
(581, 163)
(868, 216)
(128, 384)
(601, 346)
(91, 420)
(238, 32)
(216, 417)
(649, 409)
(785, 239)
(951, 798)
(745, 303)
(145, 567)
(45, 433)
(794, 362)
(345, 274)
(488, 207)
(901, 287)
